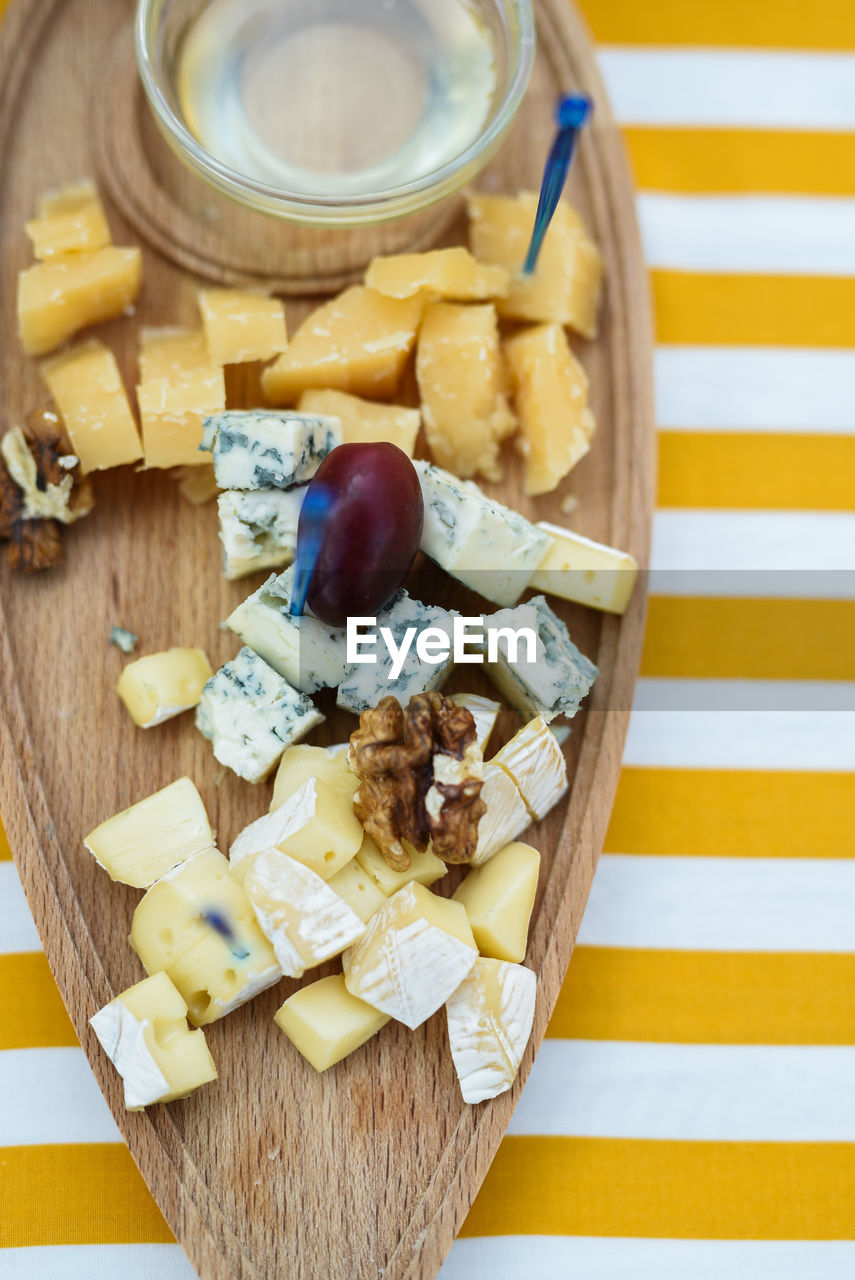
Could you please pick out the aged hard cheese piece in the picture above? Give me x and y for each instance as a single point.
(145, 1035)
(162, 685)
(326, 1023)
(300, 763)
(551, 399)
(417, 949)
(567, 282)
(490, 1017)
(591, 573)
(366, 683)
(484, 712)
(559, 678)
(316, 825)
(534, 760)
(484, 545)
(178, 388)
(258, 528)
(263, 449)
(425, 867)
(441, 273)
(364, 421)
(506, 817)
(70, 220)
(463, 384)
(498, 898)
(87, 389)
(251, 715)
(358, 890)
(57, 298)
(241, 326)
(170, 352)
(304, 919)
(357, 342)
(140, 844)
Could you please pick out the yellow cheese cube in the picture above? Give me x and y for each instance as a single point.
(364, 421)
(88, 391)
(170, 351)
(299, 763)
(490, 1017)
(551, 398)
(591, 573)
(162, 685)
(178, 388)
(140, 844)
(70, 220)
(358, 890)
(442, 273)
(241, 326)
(57, 298)
(498, 898)
(217, 976)
(145, 1035)
(566, 285)
(425, 868)
(316, 825)
(326, 1023)
(357, 342)
(462, 383)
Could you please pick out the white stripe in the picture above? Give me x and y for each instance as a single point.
(754, 389)
(802, 740)
(785, 235)
(97, 1262)
(730, 87)
(722, 904)
(613, 1258)
(17, 931)
(743, 695)
(50, 1095)
(696, 1092)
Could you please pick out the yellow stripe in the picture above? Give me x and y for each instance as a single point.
(681, 1190)
(744, 813)
(706, 997)
(762, 161)
(5, 851)
(803, 311)
(756, 470)
(81, 1194)
(762, 24)
(750, 639)
(33, 1015)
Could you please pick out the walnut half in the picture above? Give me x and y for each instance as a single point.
(40, 490)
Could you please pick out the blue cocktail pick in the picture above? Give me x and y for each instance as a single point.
(310, 538)
(570, 114)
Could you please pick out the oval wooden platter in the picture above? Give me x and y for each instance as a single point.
(276, 1171)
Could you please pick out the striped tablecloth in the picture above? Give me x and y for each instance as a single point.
(692, 1111)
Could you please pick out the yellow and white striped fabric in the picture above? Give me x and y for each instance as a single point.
(692, 1111)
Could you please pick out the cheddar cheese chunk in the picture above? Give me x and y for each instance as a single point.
(70, 220)
(87, 388)
(365, 421)
(57, 298)
(241, 326)
(178, 389)
(452, 274)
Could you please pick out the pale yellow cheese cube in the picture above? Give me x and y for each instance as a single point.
(326, 1023)
(241, 326)
(534, 760)
(425, 867)
(591, 573)
(87, 389)
(359, 891)
(57, 298)
(70, 220)
(551, 398)
(442, 273)
(316, 825)
(462, 383)
(498, 898)
(365, 421)
(357, 342)
(217, 976)
(145, 1035)
(507, 815)
(300, 762)
(172, 411)
(484, 711)
(159, 686)
(490, 1017)
(140, 844)
(566, 285)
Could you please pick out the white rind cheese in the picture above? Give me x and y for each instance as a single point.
(316, 825)
(507, 815)
(534, 760)
(264, 449)
(123, 1039)
(484, 711)
(140, 844)
(258, 528)
(559, 678)
(490, 1017)
(366, 683)
(590, 573)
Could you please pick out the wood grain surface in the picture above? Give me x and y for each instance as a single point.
(274, 1171)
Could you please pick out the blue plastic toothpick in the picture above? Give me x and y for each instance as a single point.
(570, 114)
(312, 527)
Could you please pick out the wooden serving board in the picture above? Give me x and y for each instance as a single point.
(275, 1171)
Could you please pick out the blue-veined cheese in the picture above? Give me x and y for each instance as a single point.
(557, 680)
(490, 1016)
(366, 683)
(258, 528)
(267, 448)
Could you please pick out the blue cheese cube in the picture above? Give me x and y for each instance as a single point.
(366, 683)
(267, 448)
(258, 528)
(251, 715)
(484, 545)
(560, 676)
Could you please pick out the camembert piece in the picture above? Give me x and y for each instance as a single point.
(70, 220)
(498, 898)
(490, 1016)
(565, 286)
(417, 950)
(142, 843)
(534, 760)
(507, 815)
(591, 573)
(463, 384)
(326, 1023)
(357, 342)
(258, 528)
(425, 867)
(560, 676)
(365, 421)
(57, 298)
(452, 274)
(305, 921)
(241, 326)
(551, 399)
(301, 762)
(162, 685)
(88, 391)
(316, 825)
(484, 711)
(145, 1035)
(264, 449)
(358, 890)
